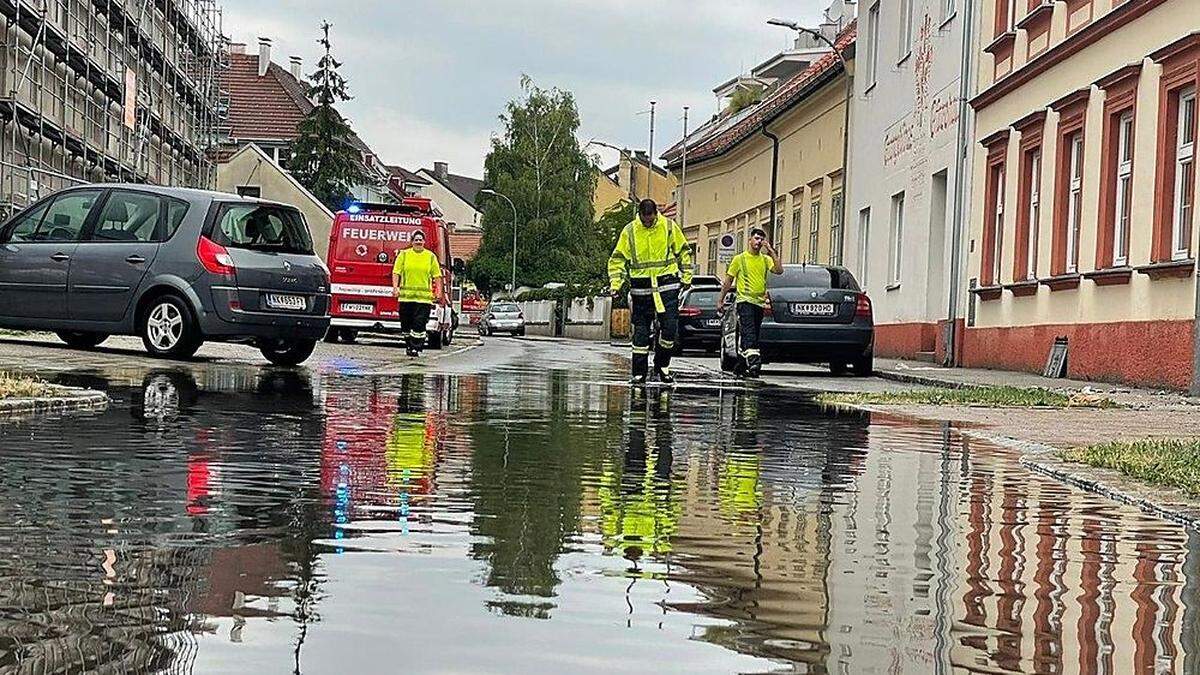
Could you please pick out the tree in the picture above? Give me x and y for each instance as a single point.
(538, 164)
(325, 158)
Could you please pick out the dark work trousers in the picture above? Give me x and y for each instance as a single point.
(750, 318)
(643, 315)
(414, 316)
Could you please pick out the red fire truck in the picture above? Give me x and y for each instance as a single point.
(363, 245)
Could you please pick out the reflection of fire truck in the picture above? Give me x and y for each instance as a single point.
(363, 245)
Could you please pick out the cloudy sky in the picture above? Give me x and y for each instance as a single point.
(430, 77)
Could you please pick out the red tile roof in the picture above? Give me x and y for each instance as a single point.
(791, 92)
(465, 244)
(263, 108)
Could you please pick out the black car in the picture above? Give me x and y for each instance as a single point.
(173, 266)
(699, 324)
(816, 314)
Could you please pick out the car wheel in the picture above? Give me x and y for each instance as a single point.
(168, 330)
(864, 365)
(435, 340)
(82, 340)
(288, 353)
(838, 368)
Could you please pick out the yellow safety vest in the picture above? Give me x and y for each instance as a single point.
(417, 272)
(650, 253)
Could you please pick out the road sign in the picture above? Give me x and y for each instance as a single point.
(725, 251)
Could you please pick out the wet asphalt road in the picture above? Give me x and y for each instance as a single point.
(515, 508)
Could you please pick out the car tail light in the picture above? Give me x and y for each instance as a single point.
(863, 309)
(214, 257)
(689, 311)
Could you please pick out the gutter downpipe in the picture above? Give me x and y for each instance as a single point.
(774, 176)
(961, 210)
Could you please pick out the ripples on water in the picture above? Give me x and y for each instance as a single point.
(233, 519)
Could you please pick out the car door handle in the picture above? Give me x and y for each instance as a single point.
(60, 257)
(135, 260)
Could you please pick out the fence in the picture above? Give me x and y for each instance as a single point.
(580, 319)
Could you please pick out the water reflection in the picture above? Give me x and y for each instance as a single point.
(231, 518)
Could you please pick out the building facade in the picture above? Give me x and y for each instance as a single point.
(1082, 220)
(793, 134)
(632, 179)
(904, 170)
(455, 195)
(107, 91)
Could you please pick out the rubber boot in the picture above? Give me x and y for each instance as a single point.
(641, 366)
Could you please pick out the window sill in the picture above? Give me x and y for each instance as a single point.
(1172, 269)
(988, 292)
(870, 88)
(1062, 282)
(1111, 276)
(1036, 16)
(904, 59)
(1002, 41)
(892, 287)
(946, 21)
(1023, 289)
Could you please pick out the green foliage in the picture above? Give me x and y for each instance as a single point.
(988, 397)
(1171, 463)
(568, 292)
(538, 164)
(745, 97)
(615, 219)
(325, 158)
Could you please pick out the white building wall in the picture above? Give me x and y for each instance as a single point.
(903, 141)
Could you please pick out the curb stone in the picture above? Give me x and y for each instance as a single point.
(68, 399)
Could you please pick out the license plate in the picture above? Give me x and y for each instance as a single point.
(357, 308)
(289, 302)
(813, 309)
(713, 323)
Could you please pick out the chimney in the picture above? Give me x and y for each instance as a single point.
(441, 170)
(296, 65)
(237, 48)
(264, 55)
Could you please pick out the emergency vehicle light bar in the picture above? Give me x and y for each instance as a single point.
(410, 205)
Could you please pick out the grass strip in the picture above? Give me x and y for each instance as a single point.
(13, 386)
(1170, 463)
(991, 397)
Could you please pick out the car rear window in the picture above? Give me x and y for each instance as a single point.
(262, 227)
(703, 300)
(505, 308)
(812, 276)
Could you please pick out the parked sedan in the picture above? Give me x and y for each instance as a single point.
(817, 314)
(173, 266)
(502, 317)
(699, 325)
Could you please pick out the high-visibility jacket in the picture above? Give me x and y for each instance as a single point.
(645, 255)
(417, 272)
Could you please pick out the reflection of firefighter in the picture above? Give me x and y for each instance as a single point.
(640, 509)
(738, 490)
(412, 444)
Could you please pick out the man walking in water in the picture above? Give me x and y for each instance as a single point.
(655, 259)
(416, 281)
(748, 272)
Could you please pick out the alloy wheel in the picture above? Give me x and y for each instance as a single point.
(164, 327)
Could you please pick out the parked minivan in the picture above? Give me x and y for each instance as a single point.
(174, 266)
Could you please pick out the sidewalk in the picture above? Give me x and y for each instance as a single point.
(918, 372)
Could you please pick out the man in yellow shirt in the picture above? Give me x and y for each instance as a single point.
(654, 259)
(416, 281)
(748, 272)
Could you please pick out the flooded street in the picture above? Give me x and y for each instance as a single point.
(520, 512)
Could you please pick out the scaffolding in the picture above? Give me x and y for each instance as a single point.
(67, 68)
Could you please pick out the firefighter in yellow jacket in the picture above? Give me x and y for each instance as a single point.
(656, 261)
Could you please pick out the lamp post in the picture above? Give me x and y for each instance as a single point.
(624, 153)
(846, 124)
(489, 191)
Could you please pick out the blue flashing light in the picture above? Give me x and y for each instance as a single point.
(354, 208)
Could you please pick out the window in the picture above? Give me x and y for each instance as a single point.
(262, 227)
(835, 229)
(712, 255)
(65, 218)
(249, 191)
(1006, 16)
(24, 227)
(1124, 182)
(797, 217)
(777, 233)
(1068, 186)
(872, 65)
(176, 210)
(741, 241)
(906, 29)
(864, 239)
(128, 217)
(896, 240)
(993, 238)
(1185, 176)
(948, 9)
(1033, 210)
(814, 229)
(1074, 202)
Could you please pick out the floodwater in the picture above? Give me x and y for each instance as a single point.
(235, 519)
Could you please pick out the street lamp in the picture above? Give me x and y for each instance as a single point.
(489, 191)
(792, 25)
